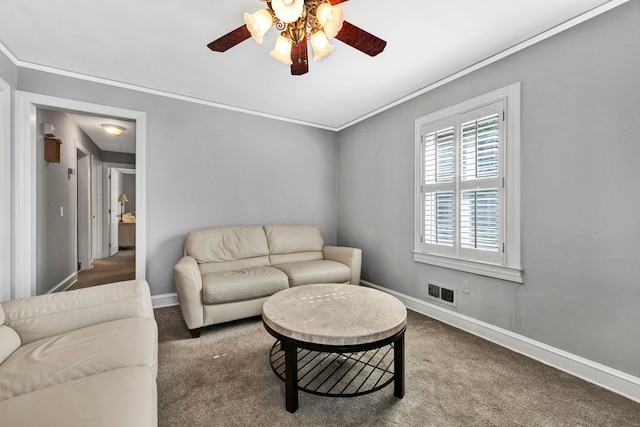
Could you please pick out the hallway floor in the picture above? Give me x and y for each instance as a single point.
(121, 266)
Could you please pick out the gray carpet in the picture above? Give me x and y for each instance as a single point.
(453, 379)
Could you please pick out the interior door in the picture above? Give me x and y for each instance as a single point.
(114, 210)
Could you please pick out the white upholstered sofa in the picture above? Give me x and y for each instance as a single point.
(227, 273)
(80, 358)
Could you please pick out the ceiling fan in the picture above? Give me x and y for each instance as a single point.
(300, 21)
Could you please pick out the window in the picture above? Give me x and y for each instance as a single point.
(467, 186)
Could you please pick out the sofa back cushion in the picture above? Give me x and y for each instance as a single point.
(293, 243)
(43, 316)
(9, 339)
(223, 244)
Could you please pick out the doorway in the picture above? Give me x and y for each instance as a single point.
(116, 261)
(24, 238)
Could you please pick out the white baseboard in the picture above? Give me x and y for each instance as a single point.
(165, 300)
(593, 372)
(62, 286)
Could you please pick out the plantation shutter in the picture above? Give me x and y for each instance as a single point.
(439, 159)
(462, 185)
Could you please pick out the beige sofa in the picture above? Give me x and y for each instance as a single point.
(228, 272)
(80, 358)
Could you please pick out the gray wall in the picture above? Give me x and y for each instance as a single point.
(208, 167)
(580, 198)
(8, 70)
(114, 157)
(55, 234)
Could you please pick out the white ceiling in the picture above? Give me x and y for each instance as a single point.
(161, 45)
(92, 126)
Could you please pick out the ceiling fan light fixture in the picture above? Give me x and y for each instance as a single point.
(282, 50)
(320, 44)
(114, 130)
(258, 23)
(331, 18)
(301, 22)
(288, 10)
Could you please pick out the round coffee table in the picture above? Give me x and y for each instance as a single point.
(337, 319)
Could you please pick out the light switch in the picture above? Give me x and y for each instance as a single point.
(61, 211)
(466, 289)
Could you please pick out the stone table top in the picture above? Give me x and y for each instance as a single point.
(334, 314)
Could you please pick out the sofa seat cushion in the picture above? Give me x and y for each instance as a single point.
(241, 285)
(320, 271)
(78, 354)
(124, 397)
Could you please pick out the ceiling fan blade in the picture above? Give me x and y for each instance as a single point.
(334, 2)
(360, 39)
(299, 58)
(229, 40)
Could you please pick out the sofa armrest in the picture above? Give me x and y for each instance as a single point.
(189, 286)
(351, 257)
(43, 316)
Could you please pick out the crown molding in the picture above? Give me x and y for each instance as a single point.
(490, 60)
(137, 88)
(495, 58)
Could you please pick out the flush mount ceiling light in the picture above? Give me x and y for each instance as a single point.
(317, 21)
(114, 130)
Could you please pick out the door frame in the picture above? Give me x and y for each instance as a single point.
(84, 232)
(96, 208)
(5, 191)
(114, 209)
(24, 237)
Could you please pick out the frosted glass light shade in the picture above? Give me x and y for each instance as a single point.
(114, 130)
(258, 24)
(331, 18)
(282, 51)
(321, 46)
(288, 10)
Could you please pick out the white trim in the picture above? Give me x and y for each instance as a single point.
(191, 99)
(24, 198)
(87, 154)
(510, 51)
(611, 379)
(24, 239)
(66, 283)
(511, 268)
(489, 270)
(5, 190)
(9, 54)
(165, 300)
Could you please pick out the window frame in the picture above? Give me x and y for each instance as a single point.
(510, 267)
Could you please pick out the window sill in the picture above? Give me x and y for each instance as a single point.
(491, 270)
